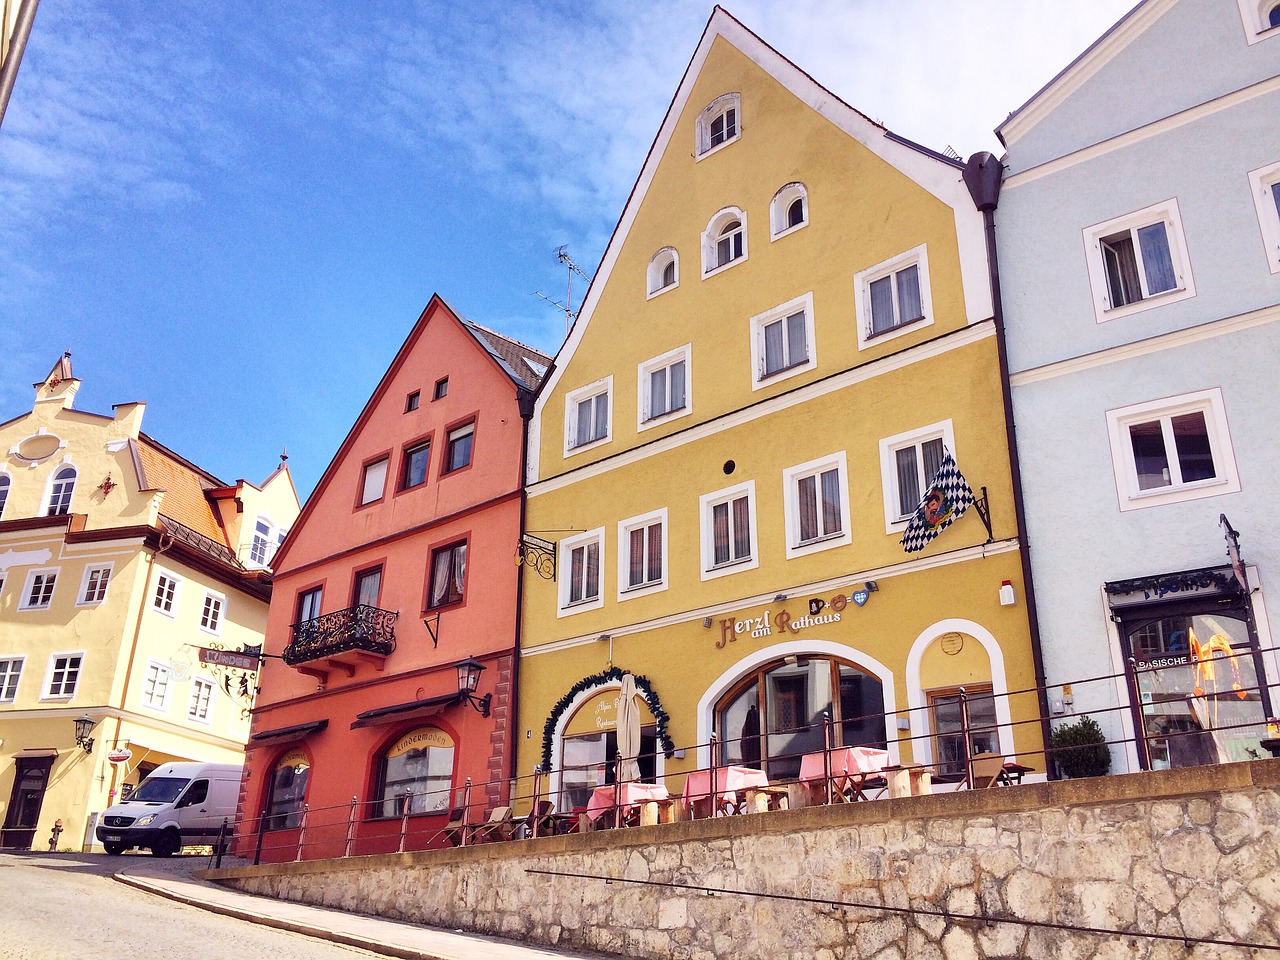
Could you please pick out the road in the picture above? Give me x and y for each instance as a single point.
(68, 907)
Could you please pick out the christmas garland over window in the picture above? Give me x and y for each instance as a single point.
(586, 683)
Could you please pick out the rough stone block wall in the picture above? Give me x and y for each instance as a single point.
(1189, 853)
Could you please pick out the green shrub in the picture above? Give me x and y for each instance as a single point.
(1080, 749)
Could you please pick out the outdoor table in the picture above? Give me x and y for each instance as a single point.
(1012, 773)
(652, 798)
(732, 783)
(851, 768)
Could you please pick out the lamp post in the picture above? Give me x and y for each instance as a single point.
(84, 727)
(469, 671)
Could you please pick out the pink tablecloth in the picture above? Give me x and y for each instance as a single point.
(729, 780)
(844, 761)
(629, 795)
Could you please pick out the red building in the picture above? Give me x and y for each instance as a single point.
(399, 569)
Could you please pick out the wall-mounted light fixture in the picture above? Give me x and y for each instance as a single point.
(706, 621)
(84, 727)
(469, 671)
(778, 598)
(871, 586)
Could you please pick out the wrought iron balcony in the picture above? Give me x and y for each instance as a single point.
(361, 632)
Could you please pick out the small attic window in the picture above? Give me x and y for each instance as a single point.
(411, 402)
(719, 123)
(442, 388)
(540, 369)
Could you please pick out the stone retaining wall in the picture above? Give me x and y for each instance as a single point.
(1187, 853)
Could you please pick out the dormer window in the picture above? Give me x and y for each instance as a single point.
(663, 272)
(724, 242)
(719, 123)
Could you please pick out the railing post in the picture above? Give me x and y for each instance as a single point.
(351, 828)
(1140, 740)
(217, 845)
(713, 776)
(404, 819)
(967, 751)
(537, 798)
(466, 812)
(617, 791)
(826, 753)
(302, 831)
(257, 850)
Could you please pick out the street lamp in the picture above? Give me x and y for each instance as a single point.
(468, 680)
(84, 727)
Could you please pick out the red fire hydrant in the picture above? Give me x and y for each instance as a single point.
(53, 837)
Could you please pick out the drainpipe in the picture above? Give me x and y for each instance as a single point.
(983, 175)
(525, 402)
(12, 57)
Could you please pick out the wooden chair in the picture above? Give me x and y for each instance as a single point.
(499, 826)
(541, 820)
(987, 769)
(458, 831)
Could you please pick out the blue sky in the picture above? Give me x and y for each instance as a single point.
(235, 211)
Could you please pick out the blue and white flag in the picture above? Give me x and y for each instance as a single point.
(947, 497)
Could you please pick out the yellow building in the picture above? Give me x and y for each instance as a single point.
(790, 325)
(119, 562)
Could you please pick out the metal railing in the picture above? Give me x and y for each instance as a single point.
(362, 627)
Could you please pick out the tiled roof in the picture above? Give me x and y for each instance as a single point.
(184, 486)
(523, 363)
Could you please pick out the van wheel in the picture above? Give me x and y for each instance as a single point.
(168, 844)
(114, 849)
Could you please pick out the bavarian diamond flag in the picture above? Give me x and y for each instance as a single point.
(947, 497)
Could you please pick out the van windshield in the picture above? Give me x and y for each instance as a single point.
(159, 789)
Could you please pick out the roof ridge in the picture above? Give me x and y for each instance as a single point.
(509, 339)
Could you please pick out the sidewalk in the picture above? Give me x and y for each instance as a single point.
(388, 937)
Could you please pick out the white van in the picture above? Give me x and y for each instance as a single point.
(179, 804)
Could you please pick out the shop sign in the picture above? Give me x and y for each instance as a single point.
(420, 739)
(120, 756)
(229, 658)
(781, 623)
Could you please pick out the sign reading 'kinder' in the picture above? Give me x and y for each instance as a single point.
(769, 623)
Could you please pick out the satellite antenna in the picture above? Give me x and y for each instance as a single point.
(562, 255)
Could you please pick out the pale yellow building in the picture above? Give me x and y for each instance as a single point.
(119, 562)
(790, 326)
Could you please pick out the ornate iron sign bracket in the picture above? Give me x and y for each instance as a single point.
(539, 554)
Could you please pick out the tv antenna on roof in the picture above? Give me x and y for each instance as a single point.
(562, 254)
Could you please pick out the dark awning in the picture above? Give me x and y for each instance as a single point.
(413, 710)
(296, 732)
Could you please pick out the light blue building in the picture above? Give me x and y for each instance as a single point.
(1138, 232)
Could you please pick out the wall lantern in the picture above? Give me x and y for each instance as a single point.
(84, 727)
(468, 680)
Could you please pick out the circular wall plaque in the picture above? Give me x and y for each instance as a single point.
(37, 447)
(952, 643)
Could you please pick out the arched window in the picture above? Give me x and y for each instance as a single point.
(1273, 18)
(64, 482)
(774, 716)
(788, 210)
(719, 123)
(288, 791)
(589, 747)
(4, 492)
(420, 765)
(725, 240)
(664, 271)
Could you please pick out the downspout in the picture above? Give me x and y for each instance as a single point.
(983, 175)
(11, 58)
(525, 402)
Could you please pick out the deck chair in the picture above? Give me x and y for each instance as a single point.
(457, 831)
(541, 820)
(499, 826)
(987, 769)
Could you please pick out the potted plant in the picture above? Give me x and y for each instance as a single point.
(1080, 749)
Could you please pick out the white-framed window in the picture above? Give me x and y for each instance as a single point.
(893, 297)
(61, 486)
(729, 530)
(155, 686)
(1170, 450)
(719, 124)
(642, 555)
(1261, 19)
(663, 273)
(4, 492)
(816, 505)
(211, 613)
(37, 594)
(587, 416)
(93, 586)
(199, 707)
(373, 481)
(664, 387)
(1264, 184)
(266, 540)
(724, 242)
(578, 569)
(908, 462)
(165, 599)
(782, 342)
(1138, 261)
(64, 674)
(10, 674)
(788, 211)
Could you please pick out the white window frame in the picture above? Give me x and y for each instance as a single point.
(82, 599)
(11, 673)
(211, 596)
(158, 669)
(62, 695)
(1254, 14)
(172, 610)
(706, 503)
(1261, 184)
(197, 685)
(625, 527)
(889, 447)
(644, 398)
(791, 478)
(6, 490)
(380, 488)
(779, 209)
(718, 107)
(52, 483)
(862, 280)
(270, 542)
(760, 321)
(582, 395)
(710, 239)
(44, 573)
(1208, 402)
(564, 577)
(1165, 212)
(653, 285)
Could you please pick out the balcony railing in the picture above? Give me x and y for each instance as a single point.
(358, 629)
